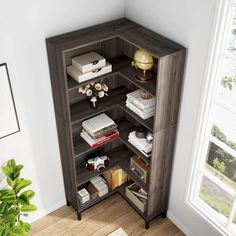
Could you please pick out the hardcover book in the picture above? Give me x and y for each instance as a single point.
(135, 98)
(143, 115)
(141, 142)
(98, 123)
(95, 143)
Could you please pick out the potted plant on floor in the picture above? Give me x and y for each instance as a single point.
(14, 202)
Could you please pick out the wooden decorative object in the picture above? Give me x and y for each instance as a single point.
(117, 41)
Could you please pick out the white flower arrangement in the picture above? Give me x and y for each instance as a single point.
(94, 91)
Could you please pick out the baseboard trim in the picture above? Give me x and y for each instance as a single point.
(43, 212)
(179, 224)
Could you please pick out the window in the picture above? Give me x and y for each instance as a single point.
(212, 186)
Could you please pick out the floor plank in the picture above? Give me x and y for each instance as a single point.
(101, 220)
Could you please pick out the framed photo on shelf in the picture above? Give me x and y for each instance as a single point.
(9, 123)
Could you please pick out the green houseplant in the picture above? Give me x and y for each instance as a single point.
(14, 202)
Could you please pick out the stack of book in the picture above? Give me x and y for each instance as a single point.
(115, 177)
(141, 144)
(144, 108)
(98, 130)
(100, 184)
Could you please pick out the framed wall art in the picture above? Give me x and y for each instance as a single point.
(9, 123)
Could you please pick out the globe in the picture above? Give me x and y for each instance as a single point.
(143, 62)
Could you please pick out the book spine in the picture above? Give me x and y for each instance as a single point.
(98, 138)
(106, 139)
(99, 131)
(107, 176)
(119, 171)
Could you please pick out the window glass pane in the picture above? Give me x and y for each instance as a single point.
(231, 48)
(227, 90)
(215, 197)
(222, 165)
(224, 126)
(228, 66)
(234, 219)
(228, 69)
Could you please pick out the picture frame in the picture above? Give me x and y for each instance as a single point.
(9, 123)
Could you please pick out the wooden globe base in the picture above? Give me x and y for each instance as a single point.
(144, 77)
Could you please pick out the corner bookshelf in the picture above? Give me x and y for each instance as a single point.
(117, 41)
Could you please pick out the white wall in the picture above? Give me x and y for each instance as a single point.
(188, 22)
(24, 27)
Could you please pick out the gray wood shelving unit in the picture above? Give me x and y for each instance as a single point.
(117, 41)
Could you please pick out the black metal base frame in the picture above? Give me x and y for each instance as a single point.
(147, 221)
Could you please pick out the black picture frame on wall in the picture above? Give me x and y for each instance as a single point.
(9, 123)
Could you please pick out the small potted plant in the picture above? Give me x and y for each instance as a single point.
(94, 91)
(14, 202)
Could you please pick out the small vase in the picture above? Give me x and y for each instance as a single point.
(94, 105)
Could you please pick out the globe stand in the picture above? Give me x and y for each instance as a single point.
(144, 76)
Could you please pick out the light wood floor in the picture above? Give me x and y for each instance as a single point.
(101, 220)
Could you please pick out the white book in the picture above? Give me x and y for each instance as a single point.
(151, 106)
(135, 97)
(146, 111)
(87, 139)
(138, 112)
(143, 152)
(147, 150)
(97, 123)
(142, 142)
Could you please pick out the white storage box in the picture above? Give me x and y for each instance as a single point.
(88, 62)
(83, 195)
(81, 77)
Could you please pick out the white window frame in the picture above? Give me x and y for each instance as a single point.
(221, 27)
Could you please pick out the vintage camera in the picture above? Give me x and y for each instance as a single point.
(98, 163)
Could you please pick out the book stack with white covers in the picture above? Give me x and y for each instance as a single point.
(141, 144)
(144, 108)
(98, 130)
(87, 66)
(100, 184)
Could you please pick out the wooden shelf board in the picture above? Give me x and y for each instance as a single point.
(121, 190)
(129, 73)
(117, 155)
(93, 202)
(125, 127)
(148, 123)
(82, 147)
(122, 66)
(82, 110)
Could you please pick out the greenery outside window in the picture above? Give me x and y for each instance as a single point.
(212, 186)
